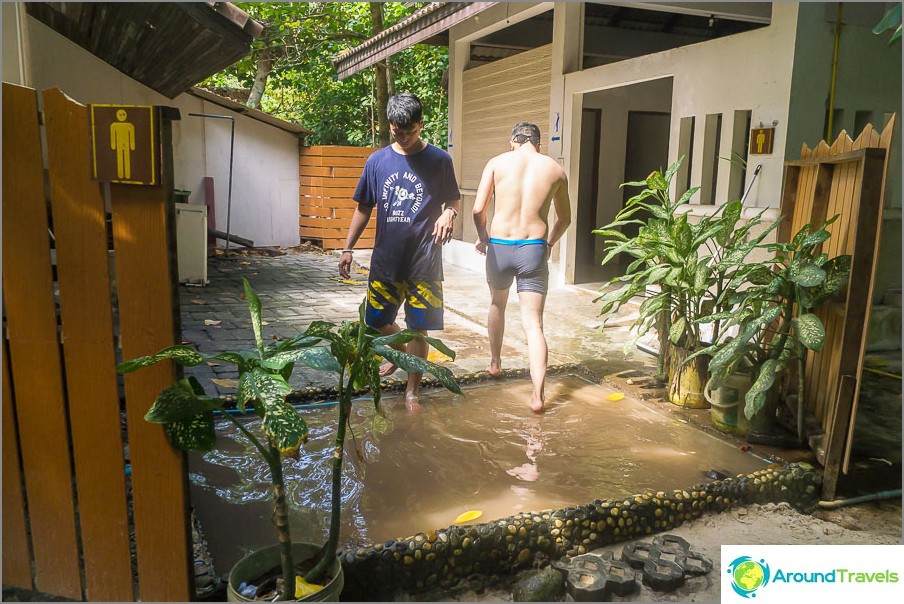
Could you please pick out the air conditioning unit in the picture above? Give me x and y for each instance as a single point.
(191, 243)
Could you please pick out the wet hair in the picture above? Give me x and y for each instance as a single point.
(526, 132)
(404, 110)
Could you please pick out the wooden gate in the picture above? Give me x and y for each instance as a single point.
(94, 497)
(847, 178)
(328, 175)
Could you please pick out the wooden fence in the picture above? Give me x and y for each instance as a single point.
(69, 505)
(328, 177)
(846, 178)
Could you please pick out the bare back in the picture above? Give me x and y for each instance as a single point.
(525, 183)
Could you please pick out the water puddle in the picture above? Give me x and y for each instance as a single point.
(484, 450)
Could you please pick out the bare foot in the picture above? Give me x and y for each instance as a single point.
(495, 368)
(537, 406)
(387, 369)
(412, 401)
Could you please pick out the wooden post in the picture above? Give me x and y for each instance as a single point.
(145, 278)
(87, 320)
(34, 350)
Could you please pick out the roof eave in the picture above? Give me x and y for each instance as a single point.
(433, 19)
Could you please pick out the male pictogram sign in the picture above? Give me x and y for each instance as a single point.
(123, 144)
(761, 141)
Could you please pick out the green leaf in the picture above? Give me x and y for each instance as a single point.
(760, 275)
(414, 364)
(670, 172)
(181, 354)
(243, 358)
(267, 388)
(320, 329)
(810, 331)
(730, 216)
(284, 425)
(683, 238)
(686, 197)
(761, 387)
(406, 335)
(178, 401)
(702, 277)
(806, 275)
(254, 308)
(891, 18)
(657, 182)
(244, 391)
(815, 238)
(317, 357)
(195, 433)
(837, 273)
(676, 331)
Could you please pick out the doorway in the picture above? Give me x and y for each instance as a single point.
(624, 136)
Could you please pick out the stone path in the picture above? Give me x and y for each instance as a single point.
(303, 286)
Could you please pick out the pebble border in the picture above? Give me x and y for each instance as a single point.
(442, 557)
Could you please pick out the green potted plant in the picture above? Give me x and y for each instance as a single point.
(682, 271)
(775, 324)
(354, 351)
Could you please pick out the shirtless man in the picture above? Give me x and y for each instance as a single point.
(519, 242)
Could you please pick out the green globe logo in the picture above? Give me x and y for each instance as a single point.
(748, 575)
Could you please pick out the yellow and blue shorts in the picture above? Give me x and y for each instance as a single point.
(423, 303)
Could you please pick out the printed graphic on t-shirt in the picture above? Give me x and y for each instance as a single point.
(402, 196)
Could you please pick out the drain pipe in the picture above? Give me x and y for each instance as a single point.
(838, 503)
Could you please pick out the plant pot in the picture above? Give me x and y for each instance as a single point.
(255, 564)
(687, 382)
(727, 403)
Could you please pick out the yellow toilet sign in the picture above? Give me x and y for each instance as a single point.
(761, 141)
(123, 144)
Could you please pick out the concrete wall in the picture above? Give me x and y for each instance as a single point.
(265, 167)
(876, 90)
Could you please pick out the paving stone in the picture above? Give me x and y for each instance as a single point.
(662, 575)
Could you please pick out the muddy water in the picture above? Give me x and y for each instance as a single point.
(484, 450)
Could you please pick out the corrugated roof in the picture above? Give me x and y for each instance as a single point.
(256, 114)
(422, 24)
(167, 46)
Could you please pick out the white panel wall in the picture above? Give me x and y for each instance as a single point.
(265, 169)
(497, 96)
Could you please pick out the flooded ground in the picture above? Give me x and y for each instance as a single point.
(483, 450)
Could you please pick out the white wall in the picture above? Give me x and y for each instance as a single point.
(265, 171)
(717, 76)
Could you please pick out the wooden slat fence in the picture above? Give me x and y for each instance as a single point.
(69, 506)
(846, 178)
(328, 177)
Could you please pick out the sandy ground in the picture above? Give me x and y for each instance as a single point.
(873, 523)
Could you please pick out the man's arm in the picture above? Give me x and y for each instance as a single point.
(563, 213)
(355, 228)
(484, 193)
(442, 229)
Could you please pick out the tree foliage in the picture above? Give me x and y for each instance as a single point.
(301, 39)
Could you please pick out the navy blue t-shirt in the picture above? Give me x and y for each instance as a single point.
(409, 192)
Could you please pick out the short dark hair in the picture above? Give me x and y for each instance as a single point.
(524, 132)
(404, 110)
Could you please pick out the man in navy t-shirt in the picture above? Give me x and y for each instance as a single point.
(412, 184)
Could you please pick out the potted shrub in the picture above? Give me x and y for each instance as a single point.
(774, 319)
(683, 271)
(354, 351)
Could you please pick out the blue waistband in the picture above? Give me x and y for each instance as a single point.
(517, 241)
